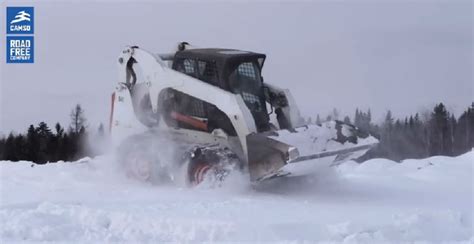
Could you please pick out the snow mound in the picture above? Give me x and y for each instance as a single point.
(379, 201)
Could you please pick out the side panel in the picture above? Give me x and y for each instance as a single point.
(123, 122)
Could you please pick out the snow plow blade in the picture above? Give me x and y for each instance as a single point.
(304, 149)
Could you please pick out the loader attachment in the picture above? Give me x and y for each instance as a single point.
(267, 156)
(303, 150)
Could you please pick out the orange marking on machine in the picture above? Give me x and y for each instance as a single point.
(111, 112)
(199, 124)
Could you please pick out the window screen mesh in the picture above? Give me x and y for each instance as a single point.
(252, 99)
(247, 69)
(207, 71)
(197, 108)
(189, 65)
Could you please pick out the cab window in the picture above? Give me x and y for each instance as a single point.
(245, 80)
(186, 66)
(207, 72)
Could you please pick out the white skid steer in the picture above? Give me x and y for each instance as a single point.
(209, 111)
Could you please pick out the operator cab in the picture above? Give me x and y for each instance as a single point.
(236, 71)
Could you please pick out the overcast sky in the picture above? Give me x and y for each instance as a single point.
(399, 55)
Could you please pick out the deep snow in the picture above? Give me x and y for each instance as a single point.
(378, 201)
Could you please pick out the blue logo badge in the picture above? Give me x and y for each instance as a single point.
(20, 49)
(20, 20)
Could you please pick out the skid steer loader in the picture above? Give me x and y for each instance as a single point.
(210, 112)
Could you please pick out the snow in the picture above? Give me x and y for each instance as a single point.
(379, 201)
(314, 138)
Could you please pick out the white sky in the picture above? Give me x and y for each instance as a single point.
(399, 55)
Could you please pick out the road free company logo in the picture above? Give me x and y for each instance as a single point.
(20, 49)
(20, 30)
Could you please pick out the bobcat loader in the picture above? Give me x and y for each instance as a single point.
(208, 112)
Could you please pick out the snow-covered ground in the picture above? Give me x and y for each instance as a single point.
(379, 201)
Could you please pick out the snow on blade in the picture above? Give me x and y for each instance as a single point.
(379, 201)
(312, 139)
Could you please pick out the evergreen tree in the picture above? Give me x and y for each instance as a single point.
(43, 130)
(464, 131)
(388, 122)
(328, 118)
(10, 152)
(2, 148)
(318, 120)
(451, 138)
(369, 117)
(67, 148)
(20, 147)
(357, 118)
(45, 141)
(386, 139)
(59, 130)
(440, 143)
(347, 120)
(32, 144)
(363, 120)
(335, 114)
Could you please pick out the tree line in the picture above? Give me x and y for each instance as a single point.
(435, 133)
(43, 144)
(416, 136)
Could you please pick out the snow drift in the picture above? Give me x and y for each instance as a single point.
(379, 201)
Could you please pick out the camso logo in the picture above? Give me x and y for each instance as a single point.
(20, 20)
(21, 16)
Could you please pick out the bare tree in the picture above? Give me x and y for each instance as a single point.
(78, 120)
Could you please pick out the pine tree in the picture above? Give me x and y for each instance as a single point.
(385, 144)
(45, 141)
(318, 120)
(439, 131)
(335, 114)
(59, 130)
(32, 144)
(347, 120)
(67, 148)
(2, 148)
(10, 153)
(388, 122)
(369, 117)
(20, 147)
(328, 118)
(464, 131)
(451, 138)
(357, 118)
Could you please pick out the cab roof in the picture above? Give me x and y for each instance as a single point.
(222, 56)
